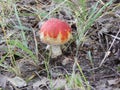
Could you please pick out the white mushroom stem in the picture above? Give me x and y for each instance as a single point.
(55, 50)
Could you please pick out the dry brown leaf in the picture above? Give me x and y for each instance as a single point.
(113, 81)
(17, 82)
(40, 84)
(54, 84)
(58, 83)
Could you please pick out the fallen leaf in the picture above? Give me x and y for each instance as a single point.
(58, 83)
(66, 61)
(3, 81)
(40, 84)
(17, 82)
(54, 84)
(113, 81)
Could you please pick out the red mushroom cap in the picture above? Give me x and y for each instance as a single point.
(55, 32)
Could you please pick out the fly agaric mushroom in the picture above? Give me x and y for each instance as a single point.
(55, 32)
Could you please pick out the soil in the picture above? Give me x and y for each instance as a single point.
(102, 44)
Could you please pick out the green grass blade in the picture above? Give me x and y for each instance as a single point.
(18, 44)
(91, 21)
(20, 26)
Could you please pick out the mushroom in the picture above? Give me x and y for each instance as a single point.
(55, 32)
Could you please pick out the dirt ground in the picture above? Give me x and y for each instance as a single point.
(102, 44)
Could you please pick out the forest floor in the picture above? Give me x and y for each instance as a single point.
(25, 64)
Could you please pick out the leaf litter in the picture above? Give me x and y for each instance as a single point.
(100, 36)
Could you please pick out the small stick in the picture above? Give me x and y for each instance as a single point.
(108, 51)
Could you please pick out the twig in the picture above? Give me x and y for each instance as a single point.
(114, 36)
(101, 2)
(108, 51)
(36, 44)
(38, 75)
